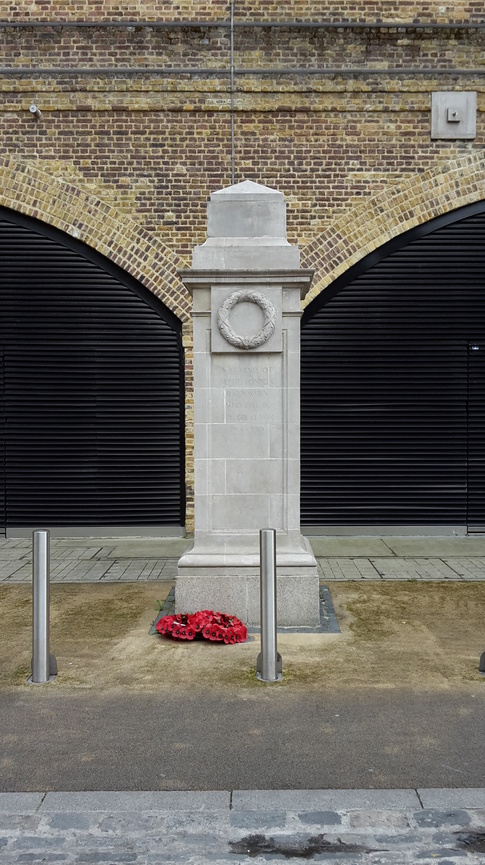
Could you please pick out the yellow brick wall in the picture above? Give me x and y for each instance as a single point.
(135, 131)
(273, 10)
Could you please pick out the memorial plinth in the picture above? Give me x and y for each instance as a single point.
(246, 285)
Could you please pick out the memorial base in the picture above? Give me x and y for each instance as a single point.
(231, 583)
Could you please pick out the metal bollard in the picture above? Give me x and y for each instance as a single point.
(44, 665)
(269, 664)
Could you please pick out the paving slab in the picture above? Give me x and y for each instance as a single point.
(445, 797)
(317, 800)
(20, 803)
(88, 571)
(71, 552)
(68, 545)
(169, 568)
(130, 571)
(441, 547)
(12, 542)
(153, 548)
(21, 574)
(468, 568)
(60, 570)
(414, 569)
(14, 554)
(163, 800)
(337, 547)
(8, 569)
(347, 569)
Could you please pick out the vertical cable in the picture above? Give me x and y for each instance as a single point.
(232, 96)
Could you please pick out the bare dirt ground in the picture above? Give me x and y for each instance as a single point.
(394, 635)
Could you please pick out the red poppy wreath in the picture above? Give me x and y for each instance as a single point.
(217, 627)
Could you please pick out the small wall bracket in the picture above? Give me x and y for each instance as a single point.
(454, 114)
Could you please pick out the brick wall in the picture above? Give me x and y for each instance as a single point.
(136, 124)
(266, 10)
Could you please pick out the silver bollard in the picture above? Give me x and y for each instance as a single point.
(269, 664)
(44, 665)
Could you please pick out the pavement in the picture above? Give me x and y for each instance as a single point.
(133, 559)
(172, 779)
(243, 826)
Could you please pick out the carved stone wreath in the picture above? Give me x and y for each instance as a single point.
(262, 335)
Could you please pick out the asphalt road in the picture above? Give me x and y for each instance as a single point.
(268, 739)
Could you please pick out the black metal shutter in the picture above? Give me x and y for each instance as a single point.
(93, 389)
(384, 382)
(2, 446)
(476, 437)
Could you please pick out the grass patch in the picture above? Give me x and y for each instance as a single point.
(20, 675)
(96, 618)
(410, 635)
(303, 674)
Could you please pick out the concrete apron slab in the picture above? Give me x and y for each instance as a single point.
(150, 548)
(437, 547)
(353, 547)
(432, 547)
(322, 546)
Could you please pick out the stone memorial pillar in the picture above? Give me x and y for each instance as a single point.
(246, 285)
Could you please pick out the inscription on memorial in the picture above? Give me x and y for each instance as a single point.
(248, 376)
(252, 406)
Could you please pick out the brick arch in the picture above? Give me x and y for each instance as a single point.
(378, 219)
(28, 189)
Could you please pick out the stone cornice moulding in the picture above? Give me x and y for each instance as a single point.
(194, 279)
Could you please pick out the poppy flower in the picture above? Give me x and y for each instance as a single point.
(213, 626)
